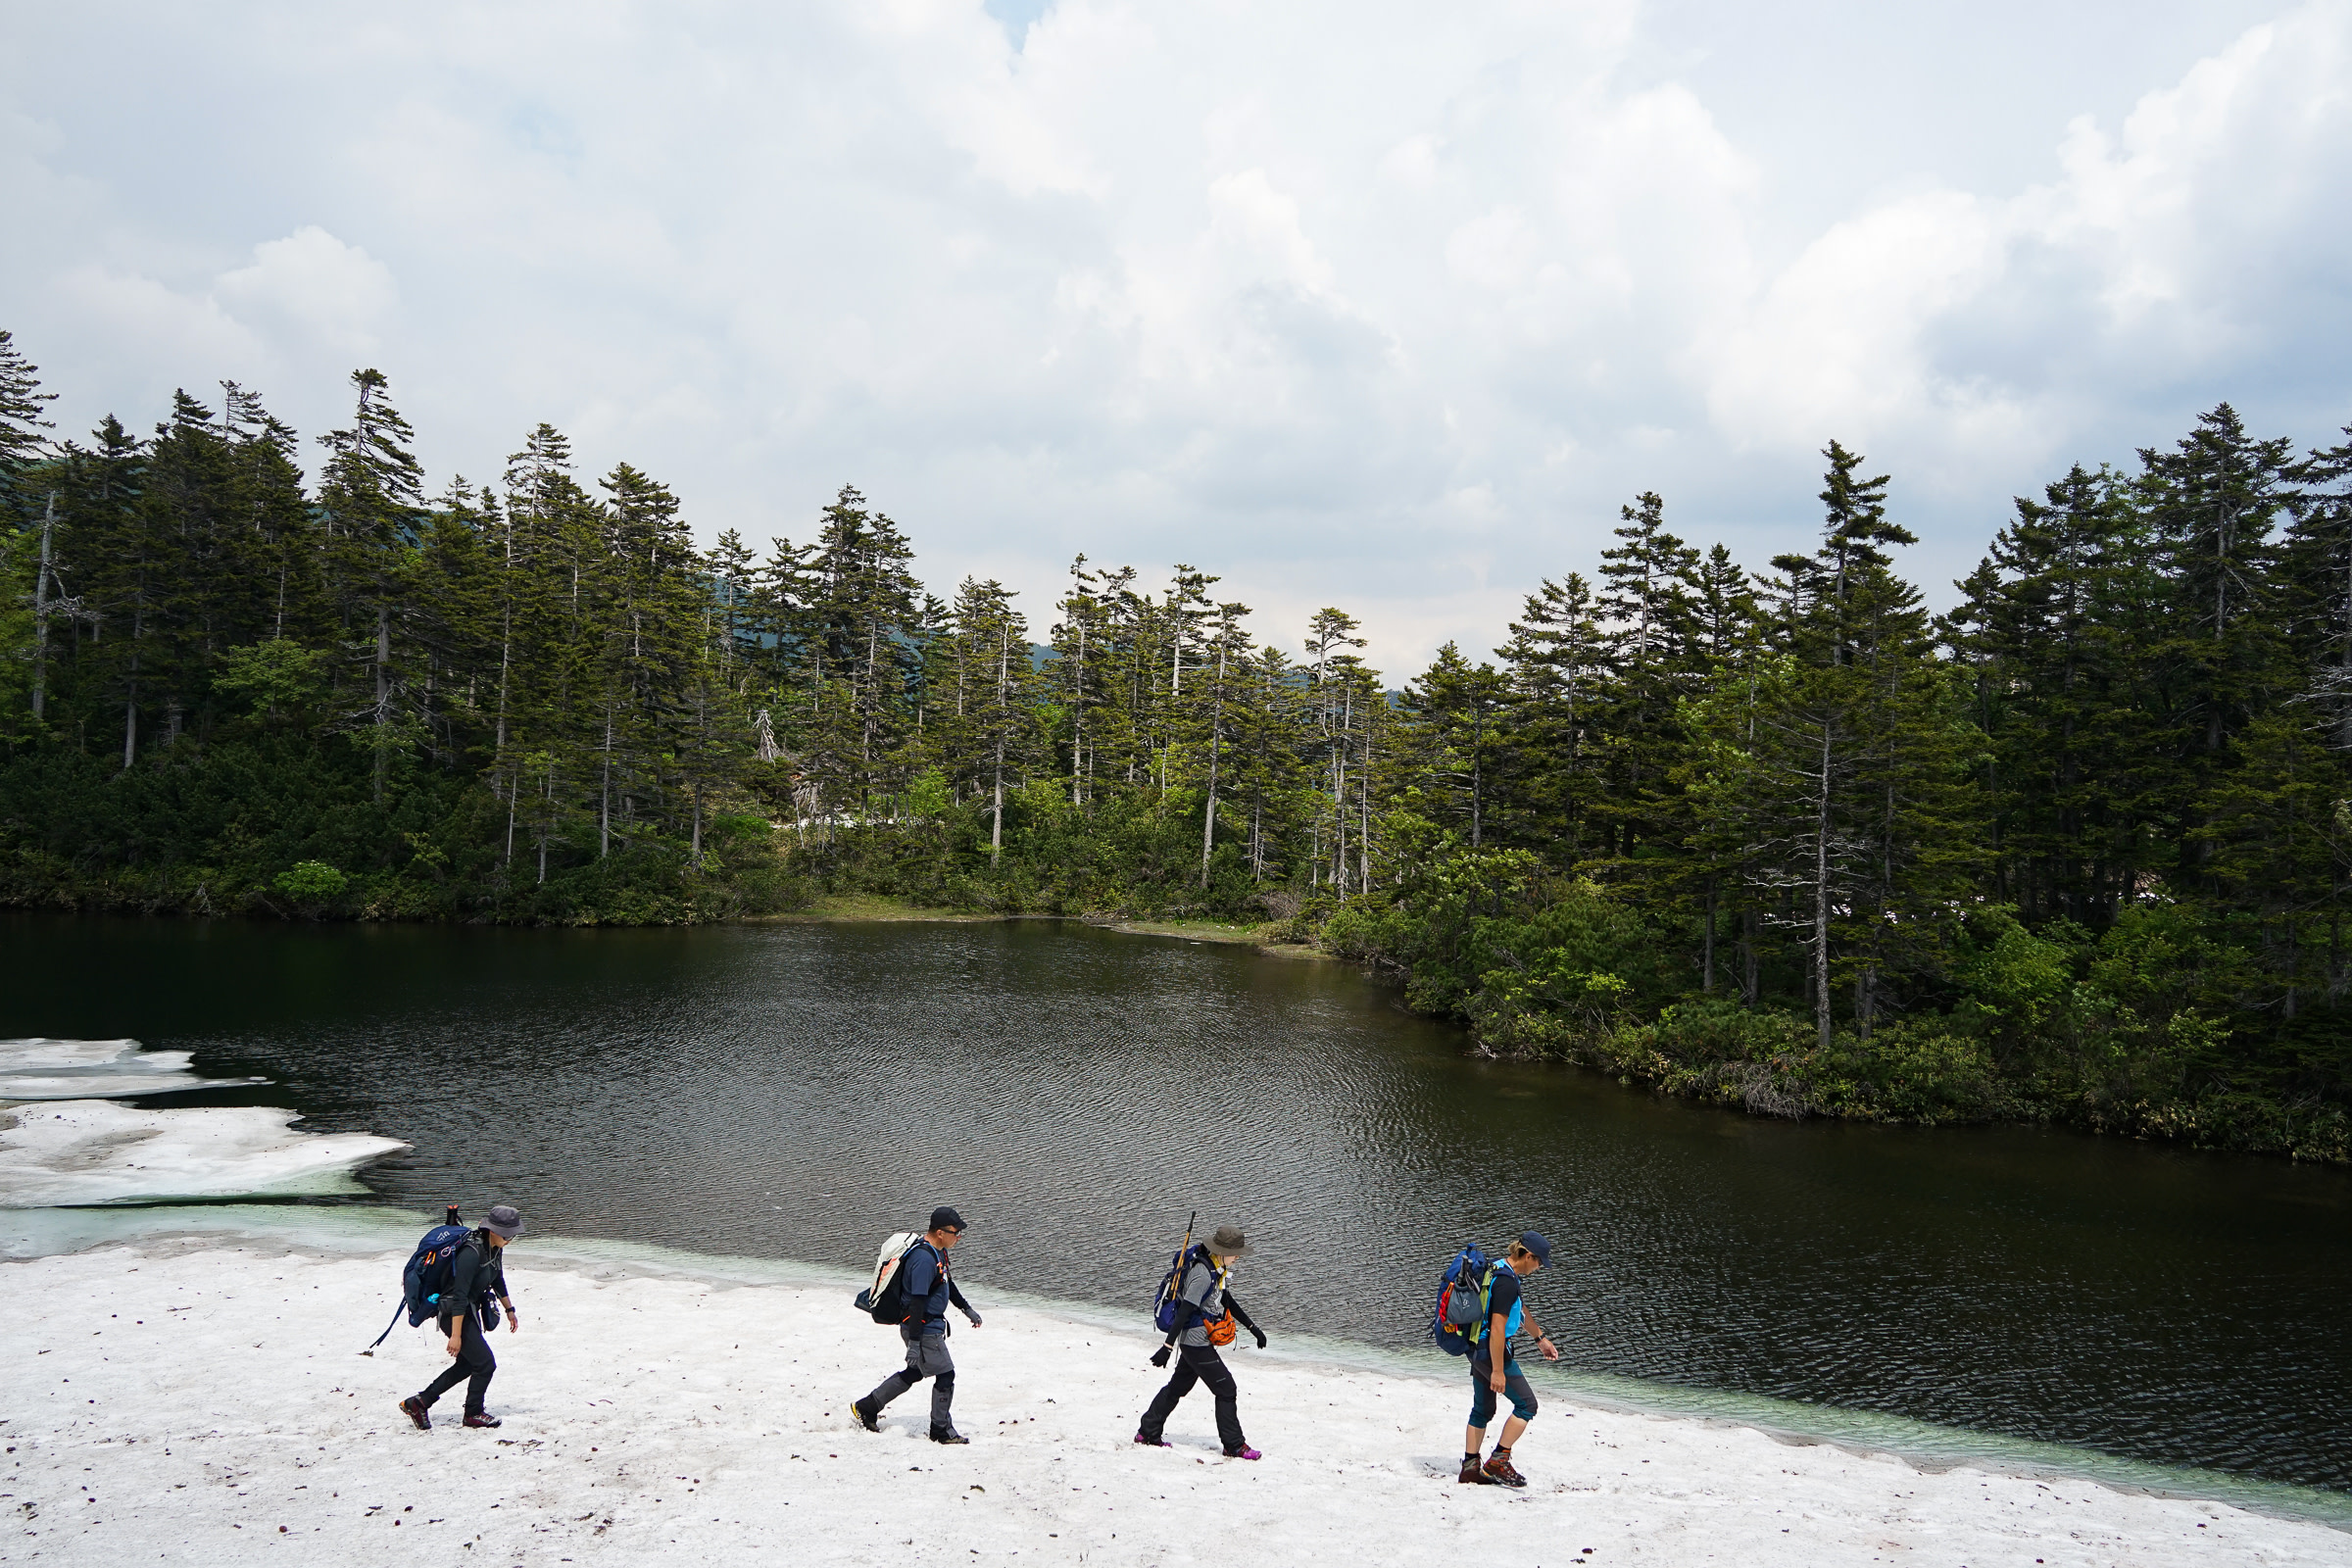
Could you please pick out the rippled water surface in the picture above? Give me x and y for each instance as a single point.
(796, 1091)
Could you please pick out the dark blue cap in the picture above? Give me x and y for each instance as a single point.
(1534, 1243)
(944, 1218)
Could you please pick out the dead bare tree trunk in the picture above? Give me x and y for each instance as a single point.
(1821, 895)
(384, 692)
(40, 611)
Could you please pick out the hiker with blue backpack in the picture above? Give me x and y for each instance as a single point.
(455, 1282)
(1480, 1310)
(1198, 1313)
(913, 1289)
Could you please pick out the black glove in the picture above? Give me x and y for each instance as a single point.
(1261, 1336)
(1159, 1358)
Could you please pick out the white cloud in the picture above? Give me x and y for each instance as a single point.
(1362, 303)
(1836, 343)
(336, 294)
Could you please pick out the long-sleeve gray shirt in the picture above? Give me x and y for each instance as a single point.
(1205, 1288)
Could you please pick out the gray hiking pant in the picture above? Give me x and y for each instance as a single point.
(926, 1358)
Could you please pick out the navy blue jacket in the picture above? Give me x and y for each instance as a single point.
(929, 1286)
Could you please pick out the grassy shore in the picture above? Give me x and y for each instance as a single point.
(848, 908)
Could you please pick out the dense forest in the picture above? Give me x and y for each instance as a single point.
(2077, 851)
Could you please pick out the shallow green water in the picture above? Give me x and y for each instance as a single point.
(792, 1093)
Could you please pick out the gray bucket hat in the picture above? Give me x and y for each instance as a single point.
(1229, 1242)
(504, 1219)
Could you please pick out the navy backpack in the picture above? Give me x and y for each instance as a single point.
(426, 1273)
(1461, 1317)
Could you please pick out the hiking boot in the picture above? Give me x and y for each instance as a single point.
(482, 1418)
(948, 1434)
(1154, 1443)
(1244, 1453)
(1473, 1473)
(414, 1409)
(872, 1420)
(1502, 1473)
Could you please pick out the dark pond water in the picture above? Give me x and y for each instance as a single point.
(796, 1091)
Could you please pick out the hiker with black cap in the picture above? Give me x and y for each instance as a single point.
(477, 1273)
(1205, 1317)
(929, 1290)
(1506, 1307)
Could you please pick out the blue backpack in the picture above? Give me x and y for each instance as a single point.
(1460, 1320)
(1163, 1305)
(426, 1273)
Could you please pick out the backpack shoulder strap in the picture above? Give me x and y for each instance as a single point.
(1482, 1285)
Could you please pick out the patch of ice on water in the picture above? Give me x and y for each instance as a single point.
(97, 1069)
(90, 1151)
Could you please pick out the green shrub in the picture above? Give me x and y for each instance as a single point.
(312, 881)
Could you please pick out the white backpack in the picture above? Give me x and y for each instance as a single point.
(878, 1300)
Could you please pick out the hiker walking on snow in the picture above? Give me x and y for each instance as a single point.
(929, 1290)
(1205, 1317)
(1506, 1308)
(477, 1273)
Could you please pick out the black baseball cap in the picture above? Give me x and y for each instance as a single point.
(944, 1218)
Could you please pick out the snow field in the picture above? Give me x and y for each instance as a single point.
(92, 1151)
(202, 1401)
(96, 1069)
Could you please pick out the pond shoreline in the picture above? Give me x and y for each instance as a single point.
(727, 1092)
(724, 1394)
(881, 910)
(2179, 1127)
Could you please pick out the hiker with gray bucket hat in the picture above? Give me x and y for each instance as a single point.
(477, 1273)
(1199, 1313)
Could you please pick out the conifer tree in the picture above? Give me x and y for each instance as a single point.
(122, 562)
(1645, 599)
(993, 638)
(1455, 710)
(1332, 688)
(23, 419)
(1224, 657)
(1555, 665)
(370, 493)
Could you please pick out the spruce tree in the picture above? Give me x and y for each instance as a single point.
(1556, 665)
(370, 494)
(22, 446)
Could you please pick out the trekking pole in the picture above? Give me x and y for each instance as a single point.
(380, 1338)
(1184, 1254)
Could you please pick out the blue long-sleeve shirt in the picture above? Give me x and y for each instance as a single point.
(930, 1286)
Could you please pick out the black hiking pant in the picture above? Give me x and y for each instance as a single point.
(926, 1358)
(1198, 1363)
(474, 1361)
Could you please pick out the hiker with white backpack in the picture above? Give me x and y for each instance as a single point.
(913, 1289)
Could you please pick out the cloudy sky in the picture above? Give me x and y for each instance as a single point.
(1388, 307)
